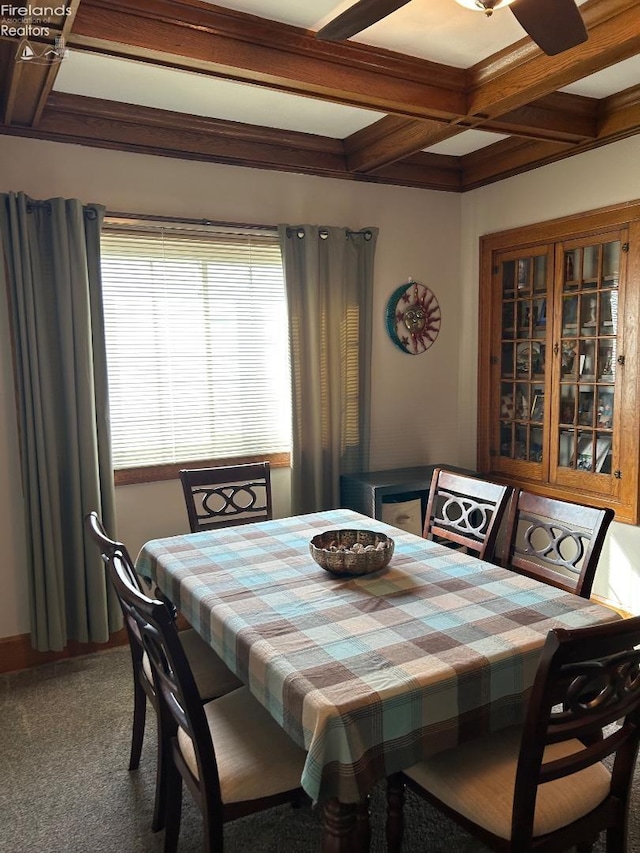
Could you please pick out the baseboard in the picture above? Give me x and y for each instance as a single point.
(18, 653)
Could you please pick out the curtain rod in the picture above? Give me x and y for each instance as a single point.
(186, 221)
(323, 233)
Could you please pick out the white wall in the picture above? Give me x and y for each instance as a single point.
(596, 179)
(415, 405)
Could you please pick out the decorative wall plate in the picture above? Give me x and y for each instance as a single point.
(413, 317)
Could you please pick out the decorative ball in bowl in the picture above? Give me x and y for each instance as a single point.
(351, 552)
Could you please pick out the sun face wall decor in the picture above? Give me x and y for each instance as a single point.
(413, 317)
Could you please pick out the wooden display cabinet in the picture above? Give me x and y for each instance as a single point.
(558, 358)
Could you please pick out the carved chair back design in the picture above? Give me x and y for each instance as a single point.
(555, 541)
(224, 496)
(465, 511)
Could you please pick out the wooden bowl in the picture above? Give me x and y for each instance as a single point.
(351, 552)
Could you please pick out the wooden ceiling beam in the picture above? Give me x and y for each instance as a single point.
(619, 119)
(504, 86)
(126, 127)
(221, 42)
(512, 78)
(560, 117)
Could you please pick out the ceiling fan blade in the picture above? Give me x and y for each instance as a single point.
(554, 25)
(358, 17)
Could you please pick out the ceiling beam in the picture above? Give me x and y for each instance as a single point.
(221, 42)
(127, 127)
(511, 79)
(560, 117)
(619, 119)
(506, 83)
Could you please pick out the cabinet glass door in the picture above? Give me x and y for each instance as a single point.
(522, 362)
(587, 345)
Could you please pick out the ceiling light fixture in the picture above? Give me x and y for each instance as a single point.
(486, 6)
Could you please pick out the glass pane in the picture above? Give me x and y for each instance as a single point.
(587, 359)
(507, 360)
(565, 448)
(607, 361)
(506, 401)
(523, 359)
(585, 456)
(586, 406)
(603, 453)
(535, 445)
(537, 403)
(609, 312)
(569, 315)
(568, 404)
(540, 317)
(507, 319)
(611, 262)
(506, 440)
(590, 264)
(540, 273)
(524, 314)
(571, 269)
(522, 406)
(589, 314)
(520, 446)
(568, 364)
(524, 275)
(605, 408)
(538, 352)
(508, 278)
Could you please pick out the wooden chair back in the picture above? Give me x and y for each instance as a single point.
(180, 705)
(586, 692)
(555, 541)
(225, 496)
(465, 511)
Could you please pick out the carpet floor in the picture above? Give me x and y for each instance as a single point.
(66, 788)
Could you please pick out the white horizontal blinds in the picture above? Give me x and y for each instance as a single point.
(197, 344)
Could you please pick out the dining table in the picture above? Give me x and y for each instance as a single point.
(368, 674)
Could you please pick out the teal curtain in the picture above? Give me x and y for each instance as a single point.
(329, 284)
(51, 267)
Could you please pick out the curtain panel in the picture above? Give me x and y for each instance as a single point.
(51, 268)
(329, 283)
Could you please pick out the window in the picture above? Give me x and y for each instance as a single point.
(197, 345)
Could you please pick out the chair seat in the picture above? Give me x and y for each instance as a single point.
(212, 676)
(255, 756)
(477, 780)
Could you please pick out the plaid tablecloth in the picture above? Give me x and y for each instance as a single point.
(369, 675)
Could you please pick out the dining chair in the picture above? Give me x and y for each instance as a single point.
(229, 495)
(546, 786)
(465, 511)
(555, 541)
(212, 677)
(231, 754)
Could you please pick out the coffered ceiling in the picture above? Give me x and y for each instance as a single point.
(434, 96)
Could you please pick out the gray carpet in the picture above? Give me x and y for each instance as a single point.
(65, 787)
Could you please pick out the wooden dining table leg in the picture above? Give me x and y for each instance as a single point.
(339, 827)
(363, 827)
(395, 808)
